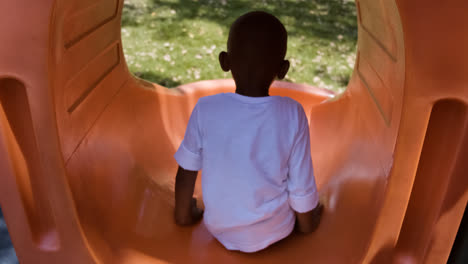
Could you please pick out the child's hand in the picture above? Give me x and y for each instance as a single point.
(190, 218)
(197, 213)
(186, 211)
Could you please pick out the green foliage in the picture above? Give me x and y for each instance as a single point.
(172, 42)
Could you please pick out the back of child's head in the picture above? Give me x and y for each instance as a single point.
(257, 46)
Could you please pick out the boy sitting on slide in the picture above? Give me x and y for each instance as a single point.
(254, 149)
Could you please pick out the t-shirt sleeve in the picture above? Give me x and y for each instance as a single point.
(303, 194)
(189, 154)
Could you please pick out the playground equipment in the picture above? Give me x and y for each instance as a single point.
(86, 150)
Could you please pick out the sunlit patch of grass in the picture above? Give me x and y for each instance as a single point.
(172, 42)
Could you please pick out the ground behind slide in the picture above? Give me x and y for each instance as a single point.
(174, 42)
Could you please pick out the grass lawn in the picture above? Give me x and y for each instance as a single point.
(173, 42)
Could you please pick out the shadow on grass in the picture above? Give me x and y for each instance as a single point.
(155, 78)
(325, 19)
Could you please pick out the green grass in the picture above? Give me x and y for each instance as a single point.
(172, 42)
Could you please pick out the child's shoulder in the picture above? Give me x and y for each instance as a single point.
(294, 110)
(292, 104)
(210, 101)
(211, 98)
(290, 101)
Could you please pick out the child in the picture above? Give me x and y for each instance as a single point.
(253, 148)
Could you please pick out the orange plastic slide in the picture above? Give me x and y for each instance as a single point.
(86, 150)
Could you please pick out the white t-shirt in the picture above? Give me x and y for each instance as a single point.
(257, 169)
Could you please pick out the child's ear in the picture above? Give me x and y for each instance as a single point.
(284, 68)
(224, 61)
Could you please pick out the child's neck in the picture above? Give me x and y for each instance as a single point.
(252, 92)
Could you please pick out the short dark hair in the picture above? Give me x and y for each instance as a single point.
(260, 33)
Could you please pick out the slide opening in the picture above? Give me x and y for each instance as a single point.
(173, 43)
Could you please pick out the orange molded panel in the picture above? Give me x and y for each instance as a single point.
(85, 17)
(87, 168)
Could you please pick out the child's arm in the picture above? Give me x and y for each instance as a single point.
(189, 157)
(309, 221)
(303, 195)
(186, 211)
